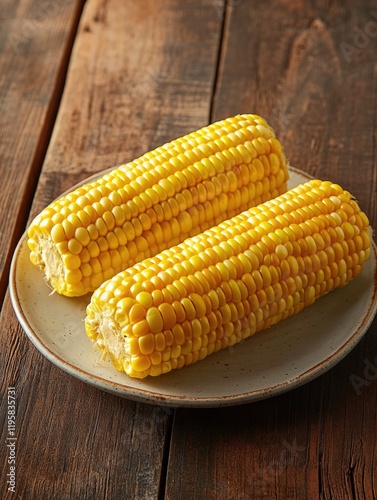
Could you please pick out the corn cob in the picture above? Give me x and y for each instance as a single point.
(235, 279)
(141, 208)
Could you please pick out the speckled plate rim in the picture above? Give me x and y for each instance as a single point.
(143, 394)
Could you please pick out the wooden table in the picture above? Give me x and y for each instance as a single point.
(85, 86)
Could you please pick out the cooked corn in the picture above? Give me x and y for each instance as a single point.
(224, 285)
(141, 208)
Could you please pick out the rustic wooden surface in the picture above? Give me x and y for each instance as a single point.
(31, 82)
(87, 87)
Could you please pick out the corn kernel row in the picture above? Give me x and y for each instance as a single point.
(221, 286)
(141, 208)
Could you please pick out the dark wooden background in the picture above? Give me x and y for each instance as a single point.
(85, 86)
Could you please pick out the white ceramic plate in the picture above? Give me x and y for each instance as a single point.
(285, 356)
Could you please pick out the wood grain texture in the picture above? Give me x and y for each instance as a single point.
(307, 75)
(74, 441)
(140, 74)
(290, 63)
(35, 42)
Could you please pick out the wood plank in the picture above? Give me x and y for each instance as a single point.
(74, 441)
(131, 101)
(303, 76)
(140, 74)
(246, 452)
(290, 64)
(30, 87)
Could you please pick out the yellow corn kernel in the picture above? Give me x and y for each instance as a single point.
(71, 261)
(140, 329)
(158, 200)
(146, 343)
(154, 320)
(232, 280)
